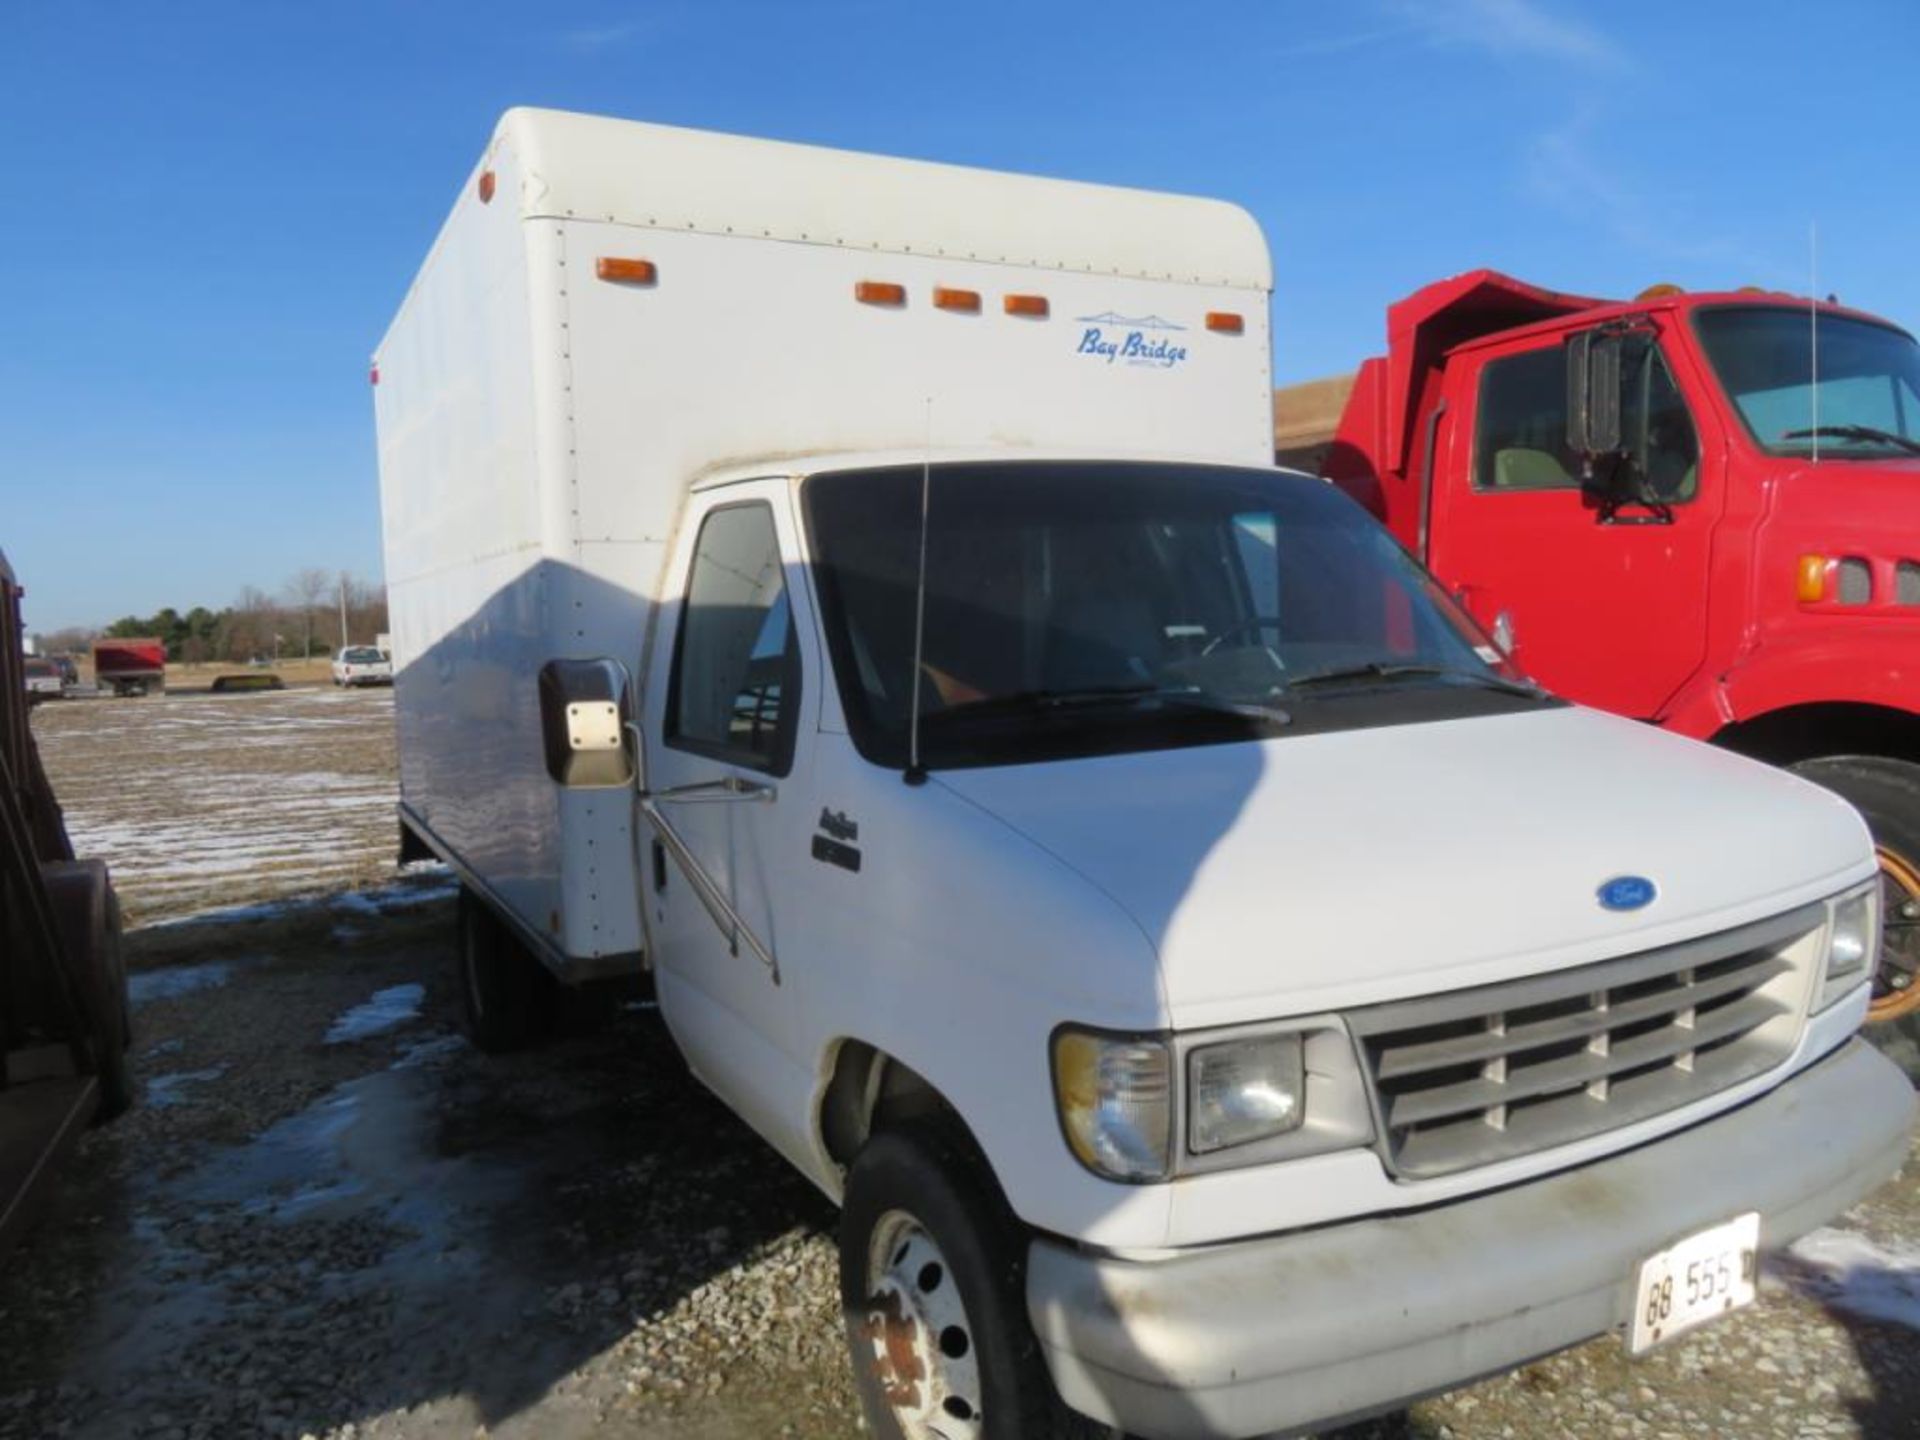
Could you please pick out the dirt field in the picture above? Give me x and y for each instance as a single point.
(329, 1216)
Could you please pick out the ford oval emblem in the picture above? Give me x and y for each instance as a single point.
(1627, 892)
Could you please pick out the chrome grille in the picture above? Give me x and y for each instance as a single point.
(1476, 1076)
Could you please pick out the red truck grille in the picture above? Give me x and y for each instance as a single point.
(1478, 1076)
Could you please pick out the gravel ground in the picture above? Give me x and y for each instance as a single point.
(330, 1217)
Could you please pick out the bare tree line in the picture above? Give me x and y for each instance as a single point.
(303, 619)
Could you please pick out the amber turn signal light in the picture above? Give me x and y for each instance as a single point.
(880, 292)
(967, 302)
(632, 272)
(1225, 322)
(1810, 579)
(1035, 305)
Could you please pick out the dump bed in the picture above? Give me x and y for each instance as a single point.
(124, 658)
(614, 309)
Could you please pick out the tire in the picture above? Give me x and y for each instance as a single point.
(1887, 793)
(937, 1329)
(88, 917)
(506, 994)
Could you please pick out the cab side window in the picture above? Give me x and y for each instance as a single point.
(1655, 426)
(1521, 439)
(735, 686)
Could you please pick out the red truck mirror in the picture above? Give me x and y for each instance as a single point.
(1593, 393)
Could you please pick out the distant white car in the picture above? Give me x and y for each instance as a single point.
(362, 665)
(44, 680)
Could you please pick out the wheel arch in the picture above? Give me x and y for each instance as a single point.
(1824, 728)
(868, 1090)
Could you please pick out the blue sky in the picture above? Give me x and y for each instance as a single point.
(212, 209)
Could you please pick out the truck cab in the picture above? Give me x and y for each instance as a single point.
(1697, 510)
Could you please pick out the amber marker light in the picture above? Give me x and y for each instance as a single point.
(625, 270)
(1033, 305)
(1810, 579)
(486, 187)
(967, 302)
(880, 292)
(1225, 322)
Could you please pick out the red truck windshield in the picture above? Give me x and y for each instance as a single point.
(1867, 404)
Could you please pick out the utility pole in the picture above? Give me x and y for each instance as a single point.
(343, 613)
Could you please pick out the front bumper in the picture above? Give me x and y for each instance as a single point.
(1323, 1325)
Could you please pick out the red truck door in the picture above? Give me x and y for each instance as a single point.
(1607, 609)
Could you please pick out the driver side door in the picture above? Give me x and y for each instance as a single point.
(1607, 610)
(728, 787)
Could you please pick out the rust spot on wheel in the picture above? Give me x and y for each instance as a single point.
(1896, 988)
(896, 1360)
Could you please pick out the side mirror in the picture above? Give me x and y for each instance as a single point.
(1593, 393)
(586, 724)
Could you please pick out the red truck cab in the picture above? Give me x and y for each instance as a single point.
(1699, 510)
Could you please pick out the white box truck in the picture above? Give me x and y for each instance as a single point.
(854, 592)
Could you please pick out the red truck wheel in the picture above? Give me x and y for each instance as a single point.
(1887, 793)
(1896, 991)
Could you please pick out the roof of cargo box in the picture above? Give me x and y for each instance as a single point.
(628, 172)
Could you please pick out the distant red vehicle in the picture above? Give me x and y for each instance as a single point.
(130, 667)
(1699, 510)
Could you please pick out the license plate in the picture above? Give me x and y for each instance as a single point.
(1703, 1276)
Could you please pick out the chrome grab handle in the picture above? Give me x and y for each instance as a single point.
(727, 787)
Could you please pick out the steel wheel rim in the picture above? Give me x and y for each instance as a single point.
(1896, 990)
(920, 1339)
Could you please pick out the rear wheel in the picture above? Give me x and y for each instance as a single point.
(506, 994)
(88, 917)
(1887, 793)
(933, 1291)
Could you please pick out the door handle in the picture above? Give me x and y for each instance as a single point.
(712, 897)
(726, 788)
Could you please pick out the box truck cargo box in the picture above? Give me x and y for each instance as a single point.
(1222, 994)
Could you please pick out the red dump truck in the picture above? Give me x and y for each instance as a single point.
(1700, 510)
(130, 667)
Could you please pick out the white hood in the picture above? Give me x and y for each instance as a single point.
(1316, 872)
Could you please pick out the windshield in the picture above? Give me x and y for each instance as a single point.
(362, 655)
(1085, 608)
(1868, 401)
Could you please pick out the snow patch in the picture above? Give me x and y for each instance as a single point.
(1847, 1271)
(389, 1009)
(173, 981)
(164, 1090)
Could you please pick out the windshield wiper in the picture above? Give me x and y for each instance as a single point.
(1389, 670)
(1856, 432)
(1090, 697)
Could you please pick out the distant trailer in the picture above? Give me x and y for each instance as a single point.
(130, 667)
(63, 982)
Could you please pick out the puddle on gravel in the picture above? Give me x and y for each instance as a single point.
(389, 1009)
(165, 1090)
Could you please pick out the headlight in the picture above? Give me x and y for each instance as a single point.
(1115, 1095)
(1853, 943)
(1244, 1090)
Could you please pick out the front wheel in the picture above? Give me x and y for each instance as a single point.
(933, 1291)
(1887, 793)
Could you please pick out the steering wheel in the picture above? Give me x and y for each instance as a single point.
(1255, 623)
